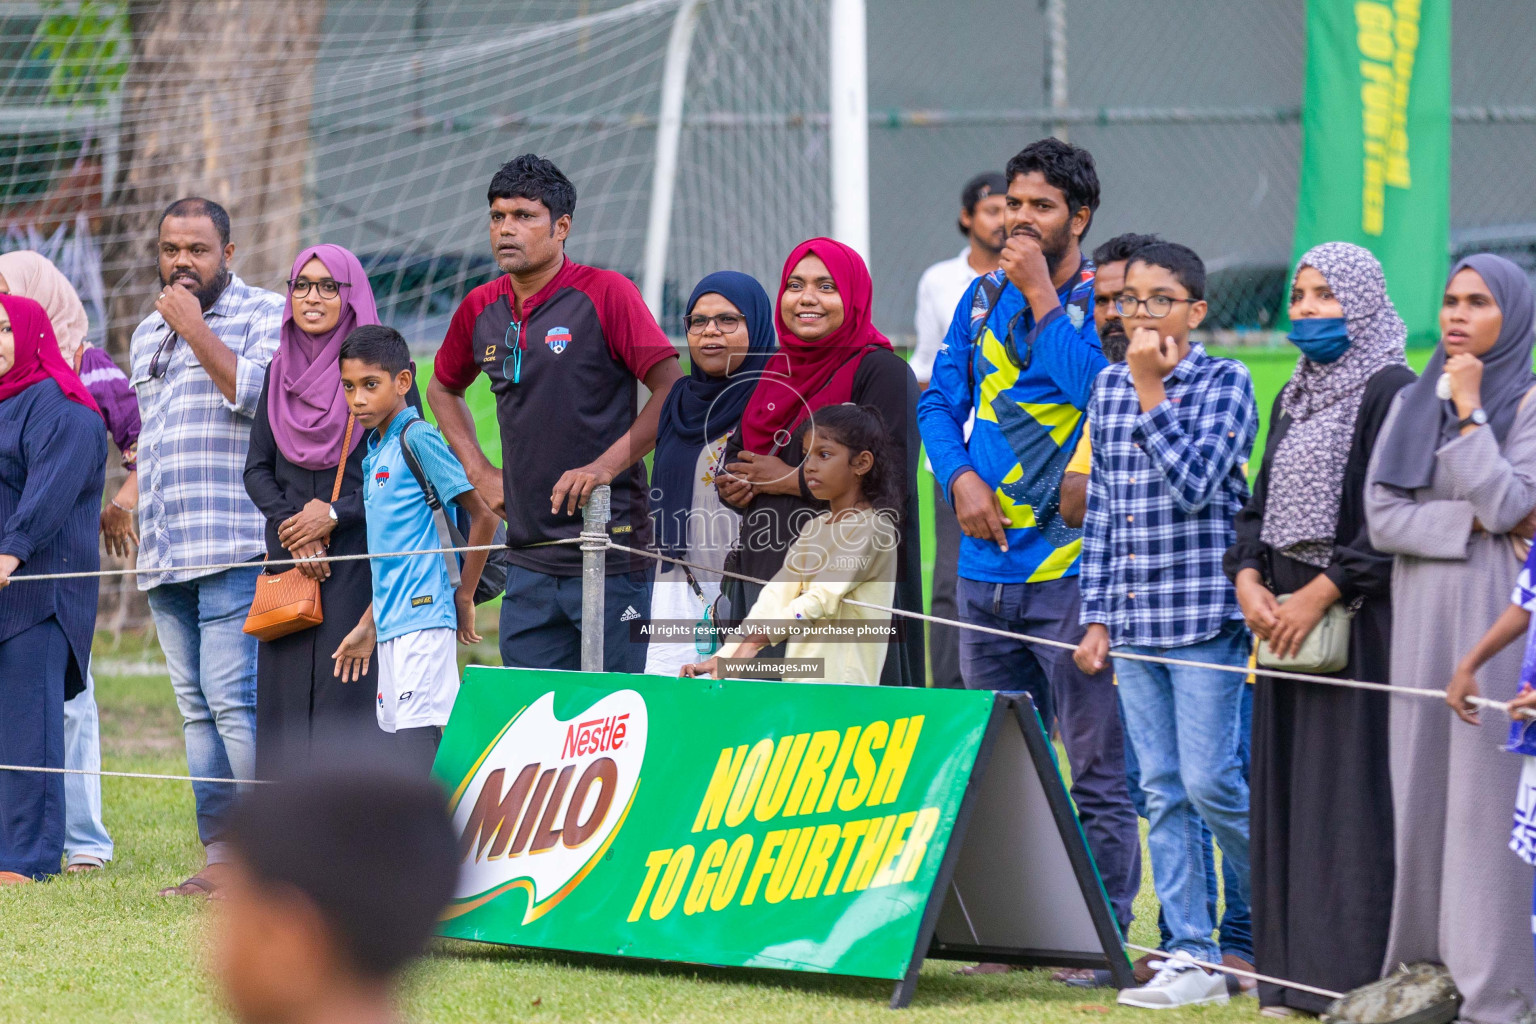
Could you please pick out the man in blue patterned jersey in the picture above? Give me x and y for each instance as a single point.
(1022, 353)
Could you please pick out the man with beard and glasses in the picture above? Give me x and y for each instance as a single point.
(940, 289)
(198, 362)
(1022, 355)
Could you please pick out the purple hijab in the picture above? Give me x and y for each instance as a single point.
(305, 403)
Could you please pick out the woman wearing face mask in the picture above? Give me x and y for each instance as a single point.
(301, 433)
(1319, 751)
(1450, 492)
(830, 352)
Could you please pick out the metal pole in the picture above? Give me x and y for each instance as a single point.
(1056, 63)
(594, 562)
(669, 129)
(850, 125)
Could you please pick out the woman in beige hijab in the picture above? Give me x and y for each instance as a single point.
(30, 274)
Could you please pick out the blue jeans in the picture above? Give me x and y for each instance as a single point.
(212, 663)
(84, 833)
(1184, 723)
(540, 624)
(1082, 705)
(1236, 930)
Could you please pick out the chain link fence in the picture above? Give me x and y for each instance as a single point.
(378, 123)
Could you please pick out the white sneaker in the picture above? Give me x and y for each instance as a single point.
(1179, 982)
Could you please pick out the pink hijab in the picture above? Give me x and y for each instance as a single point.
(305, 403)
(807, 375)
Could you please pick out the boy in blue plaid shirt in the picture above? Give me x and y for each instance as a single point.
(1171, 428)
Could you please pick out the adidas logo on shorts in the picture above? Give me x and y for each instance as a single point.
(629, 614)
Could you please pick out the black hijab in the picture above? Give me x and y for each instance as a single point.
(701, 408)
(1407, 459)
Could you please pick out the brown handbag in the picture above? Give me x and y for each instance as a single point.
(290, 601)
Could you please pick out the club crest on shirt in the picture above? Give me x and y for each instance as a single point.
(381, 477)
(1076, 315)
(557, 338)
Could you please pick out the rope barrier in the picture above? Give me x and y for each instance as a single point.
(1326, 993)
(220, 566)
(131, 775)
(1300, 677)
(614, 545)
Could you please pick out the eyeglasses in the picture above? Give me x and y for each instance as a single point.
(329, 289)
(1157, 307)
(512, 366)
(156, 368)
(1011, 348)
(725, 323)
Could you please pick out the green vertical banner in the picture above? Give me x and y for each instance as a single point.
(1376, 143)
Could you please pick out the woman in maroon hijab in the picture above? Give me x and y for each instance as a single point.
(53, 455)
(299, 438)
(829, 352)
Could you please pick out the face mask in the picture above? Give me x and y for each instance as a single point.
(1321, 339)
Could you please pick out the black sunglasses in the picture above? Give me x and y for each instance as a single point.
(1011, 347)
(156, 369)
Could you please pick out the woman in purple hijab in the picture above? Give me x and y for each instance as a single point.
(299, 439)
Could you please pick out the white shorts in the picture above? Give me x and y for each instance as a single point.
(418, 679)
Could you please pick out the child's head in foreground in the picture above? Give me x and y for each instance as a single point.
(375, 373)
(337, 882)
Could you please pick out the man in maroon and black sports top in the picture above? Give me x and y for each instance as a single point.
(563, 345)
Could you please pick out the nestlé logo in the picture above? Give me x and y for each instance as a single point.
(539, 809)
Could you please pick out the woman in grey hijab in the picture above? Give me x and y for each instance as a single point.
(1320, 764)
(1450, 494)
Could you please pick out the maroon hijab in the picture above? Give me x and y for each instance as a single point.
(37, 355)
(305, 403)
(807, 375)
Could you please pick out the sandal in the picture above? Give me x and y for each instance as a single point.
(83, 863)
(197, 885)
(1142, 969)
(14, 878)
(985, 968)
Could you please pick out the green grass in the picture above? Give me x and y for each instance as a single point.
(104, 948)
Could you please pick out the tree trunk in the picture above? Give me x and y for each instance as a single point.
(216, 104)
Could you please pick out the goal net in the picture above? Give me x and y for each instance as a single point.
(377, 125)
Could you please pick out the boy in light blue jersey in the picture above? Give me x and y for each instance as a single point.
(415, 610)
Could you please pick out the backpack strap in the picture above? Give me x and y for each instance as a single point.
(982, 303)
(447, 534)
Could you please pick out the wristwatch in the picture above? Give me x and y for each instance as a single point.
(332, 508)
(1477, 419)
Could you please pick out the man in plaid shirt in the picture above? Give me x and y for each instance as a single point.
(1171, 429)
(198, 363)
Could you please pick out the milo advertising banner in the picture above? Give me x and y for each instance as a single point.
(739, 823)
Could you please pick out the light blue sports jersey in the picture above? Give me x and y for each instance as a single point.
(409, 594)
